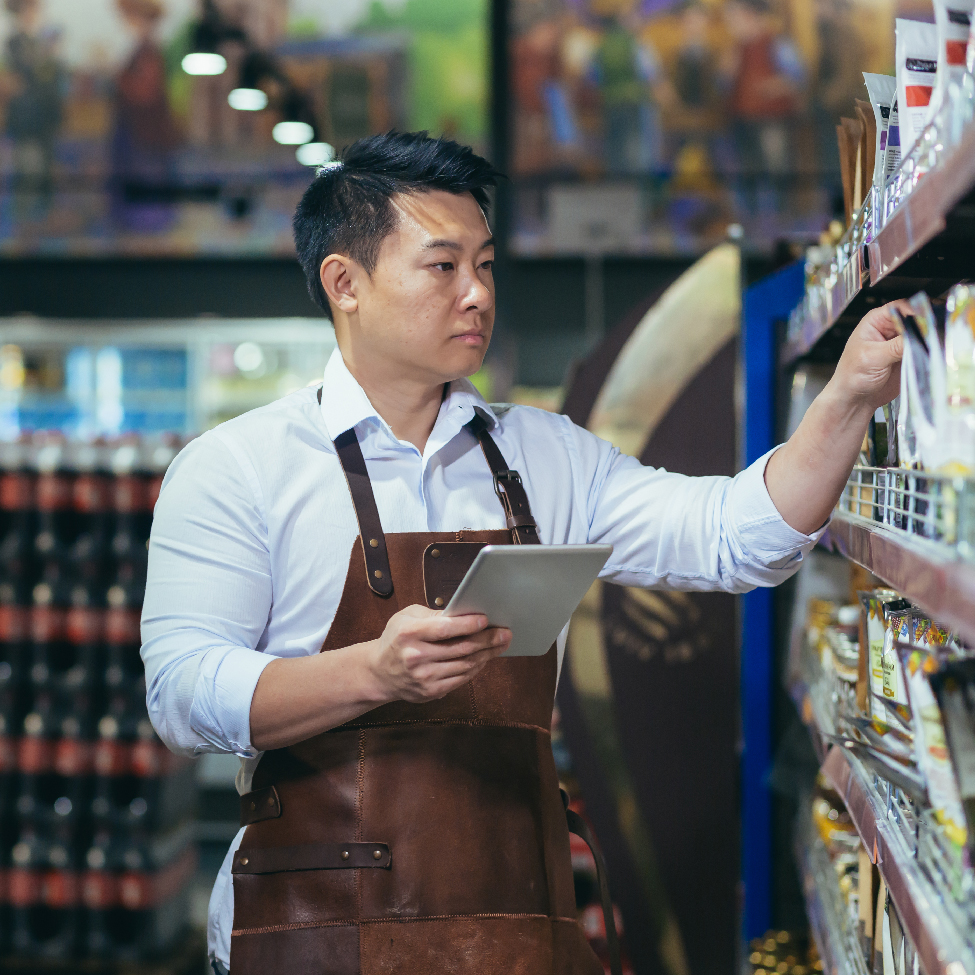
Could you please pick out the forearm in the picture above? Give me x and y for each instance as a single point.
(299, 697)
(806, 477)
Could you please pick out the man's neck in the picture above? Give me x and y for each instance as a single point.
(409, 407)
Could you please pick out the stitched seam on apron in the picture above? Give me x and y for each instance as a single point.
(480, 723)
(360, 778)
(349, 922)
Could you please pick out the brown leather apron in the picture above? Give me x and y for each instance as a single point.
(417, 839)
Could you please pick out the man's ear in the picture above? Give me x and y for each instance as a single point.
(336, 274)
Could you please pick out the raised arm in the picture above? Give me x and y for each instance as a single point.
(806, 476)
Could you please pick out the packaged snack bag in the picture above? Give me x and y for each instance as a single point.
(916, 53)
(882, 91)
(922, 386)
(959, 434)
(953, 19)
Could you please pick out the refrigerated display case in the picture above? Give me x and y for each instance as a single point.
(105, 378)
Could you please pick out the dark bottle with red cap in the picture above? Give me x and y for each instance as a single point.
(85, 634)
(56, 525)
(15, 643)
(91, 498)
(133, 513)
(17, 517)
(44, 894)
(51, 652)
(123, 637)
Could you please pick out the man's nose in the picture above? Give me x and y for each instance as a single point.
(476, 294)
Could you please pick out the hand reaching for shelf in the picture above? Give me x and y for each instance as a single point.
(806, 476)
(869, 369)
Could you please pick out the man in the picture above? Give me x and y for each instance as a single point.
(399, 793)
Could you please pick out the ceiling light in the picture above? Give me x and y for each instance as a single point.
(247, 99)
(315, 153)
(204, 63)
(293, 133)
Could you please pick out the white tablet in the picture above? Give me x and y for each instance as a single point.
(530, 589)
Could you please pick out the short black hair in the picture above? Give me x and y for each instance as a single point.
(347, 209)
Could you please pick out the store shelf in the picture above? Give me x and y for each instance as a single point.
(941, 206)
(837, 944)
(924, 246)
(927, 920)
(924, 572)
(845, 302)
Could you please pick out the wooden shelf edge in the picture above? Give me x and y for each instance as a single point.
(922, 216)
(939, 948)
(942, 587)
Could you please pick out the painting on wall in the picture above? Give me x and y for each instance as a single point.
(652, 126)
(186, 127)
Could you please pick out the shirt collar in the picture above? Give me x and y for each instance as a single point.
(345, 404)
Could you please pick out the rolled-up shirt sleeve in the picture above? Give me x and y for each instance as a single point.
(671, 531)
(207, 601)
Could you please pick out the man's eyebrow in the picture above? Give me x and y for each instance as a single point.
(452, 245)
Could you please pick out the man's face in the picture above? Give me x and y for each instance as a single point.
(427, 310)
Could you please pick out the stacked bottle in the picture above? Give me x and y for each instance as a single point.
(95, 813)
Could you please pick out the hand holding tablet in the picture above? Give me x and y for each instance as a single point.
(530, 589)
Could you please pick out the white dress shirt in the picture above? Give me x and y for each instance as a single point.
(254, 527)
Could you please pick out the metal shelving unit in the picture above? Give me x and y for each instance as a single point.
(935, 923)
(924, 245)
(836, 942)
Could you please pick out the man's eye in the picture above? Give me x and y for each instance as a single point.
(488, 265)
(445, 266)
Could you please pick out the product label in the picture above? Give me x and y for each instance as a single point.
(84, 624)
(932, 754)
(59, 888)
(99, 890)
(112, 757)
(46, 624)
(892, 153)
(35, 756)
(962, 737)
(23, 887)
(53, 492)
(72, 757)
(130, 495)
(16, 492)
(13, 624)
(90, 494)
(122, 626)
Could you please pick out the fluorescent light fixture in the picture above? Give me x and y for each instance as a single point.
(315, 153)
(247, 99)
(204, 63)
(293, 133)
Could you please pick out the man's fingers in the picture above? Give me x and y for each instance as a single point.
(463, 647)
(450, 627)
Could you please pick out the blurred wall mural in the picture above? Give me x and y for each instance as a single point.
(172, 127)
(649, 126)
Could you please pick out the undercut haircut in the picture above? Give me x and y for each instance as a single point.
(348, 208)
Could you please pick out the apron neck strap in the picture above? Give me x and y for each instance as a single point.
(507, 485)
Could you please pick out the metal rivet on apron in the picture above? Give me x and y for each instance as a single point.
(435, 553)
(243, 861)
(377, 854)
(253, 805)
(374, 542)
(345, 854)
(270, 800)
(438, 601)
(378, 573)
